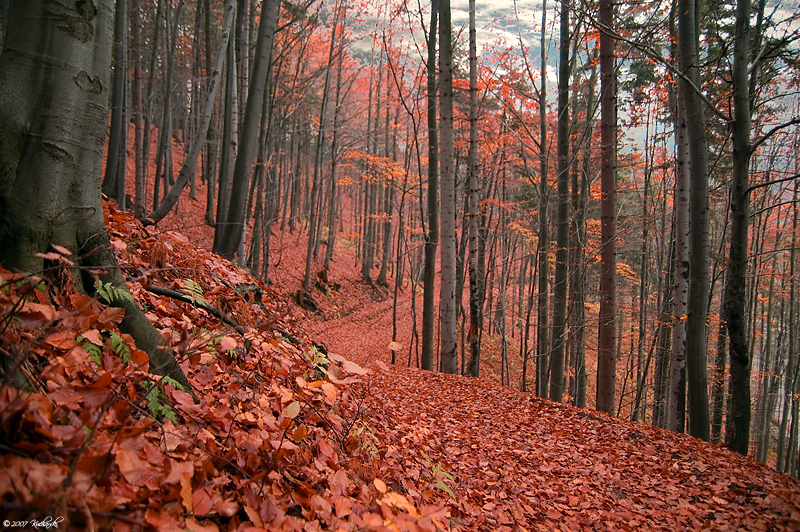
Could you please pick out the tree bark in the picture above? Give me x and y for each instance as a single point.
(475, 279)
(542, 303)
(432, 237)
(606, 358)
(118, 100)
(232, 228)
(562, 212)
(737, 426)
(447, 298)
(53, 118)
(689, 58)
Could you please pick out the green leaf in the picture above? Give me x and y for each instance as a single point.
(120, 347)
(111, 293)
(193, 291)
(95, 351)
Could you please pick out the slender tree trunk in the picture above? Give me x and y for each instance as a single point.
(718, 377)
(790, 373)
(542, 344)
(763, 407)
(227, 145)
(210, 170)
(332, 200)
(190, 161)
(641, 373)
(562, 213)
(606, 360)
(689, 57)
(138, 200)
(232, 229)
(432, 237)
(118, 102)
(676, 418)
(475, 279)
(148, 93)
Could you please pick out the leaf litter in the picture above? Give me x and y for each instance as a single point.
(286, 437)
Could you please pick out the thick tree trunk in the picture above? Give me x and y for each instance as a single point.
(447, 298)
(53, 118)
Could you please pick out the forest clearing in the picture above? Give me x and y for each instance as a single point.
(326, 265)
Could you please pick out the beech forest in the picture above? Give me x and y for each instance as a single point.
(399, 266)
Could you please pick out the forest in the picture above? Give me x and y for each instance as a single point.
(244, 223)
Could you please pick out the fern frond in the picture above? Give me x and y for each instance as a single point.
(111, 293)
(95, 351)
(193, 291)
(120, 347)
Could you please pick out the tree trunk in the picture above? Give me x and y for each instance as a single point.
(562, 214)
(138, 200)
(190, 161)
(475, 280)
(737, 426)
(676, 418)
(447, 298)
(118, 100)
(234, 222)
(689, 57)
(432, 237)
(53, 124)
(542, 344)
(332, 200)
(606, 359)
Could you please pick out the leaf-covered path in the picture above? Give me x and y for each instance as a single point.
(521, 463)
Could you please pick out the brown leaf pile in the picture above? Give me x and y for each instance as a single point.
(522, 463)
(275, 442)
(285, 437)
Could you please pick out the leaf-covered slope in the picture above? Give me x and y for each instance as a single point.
(522, 463)
(275, 442)
(285, 437)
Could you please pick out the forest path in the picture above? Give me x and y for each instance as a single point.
(517, 462)
(360, 327)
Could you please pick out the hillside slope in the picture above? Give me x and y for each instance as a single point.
(287, 438)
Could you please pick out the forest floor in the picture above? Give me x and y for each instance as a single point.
(286, 438)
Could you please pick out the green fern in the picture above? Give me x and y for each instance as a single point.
(95, 351)
(111, 293)
(120, 347)
(172, 382)
(193, 291)
(157, 401)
